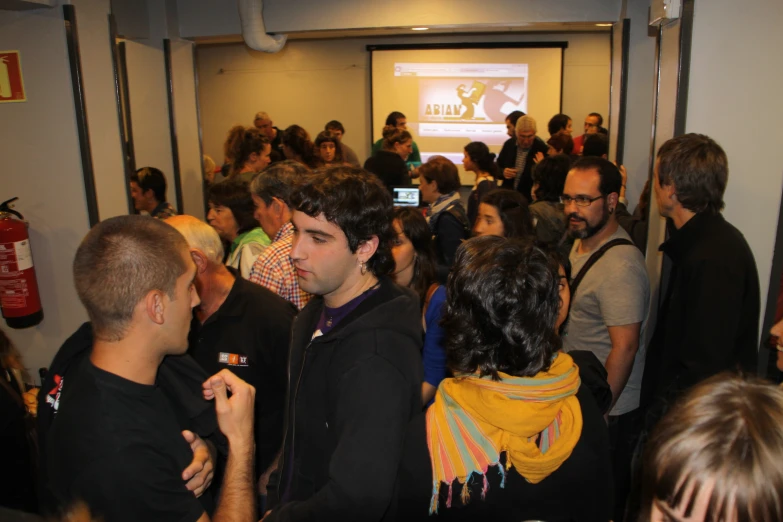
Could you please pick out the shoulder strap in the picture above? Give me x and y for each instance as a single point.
(593, 259)
(458, 211)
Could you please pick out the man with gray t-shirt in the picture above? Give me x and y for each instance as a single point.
(610, 305)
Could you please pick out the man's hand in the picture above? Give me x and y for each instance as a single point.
(200, 472)
(509, 173)
(235, 415)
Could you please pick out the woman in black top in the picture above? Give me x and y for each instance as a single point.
(446, 214)
(513, 436)
(478, 159)
(389, 162)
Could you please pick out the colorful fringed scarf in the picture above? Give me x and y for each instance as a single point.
(537, 421)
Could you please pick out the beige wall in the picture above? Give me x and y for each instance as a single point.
(734, 97)
(42, 166)
(313, 81)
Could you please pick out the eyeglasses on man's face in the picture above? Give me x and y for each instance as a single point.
(581, 201)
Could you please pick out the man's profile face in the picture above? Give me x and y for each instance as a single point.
(264, 214)
(320, 252)
(266, 127)
(141, 201)
(585, 222)
(402, 124)
(179, 309)
(591, 125)
(525, 138)
(337, 133)
(660, 196)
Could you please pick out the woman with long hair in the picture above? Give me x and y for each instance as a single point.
(415, 268)
(479, 160)
(247, 151)
(504, 213)
(388, 163)
(298, 146)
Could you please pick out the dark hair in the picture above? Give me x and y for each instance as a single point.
(699, 170)
(418, 232)
(513, 210)
(561, 142)
(279, 180)
(600, 118)
(235, 196)
(241, 143)
(550, 174)
(558, 123)
(392, 135)
(443, 172)
(150, 178)
(722, 439)
(501, 308)
(357, 202)
(514, 116)
(596, 145)
(611, 179)
(328, 137)
(479, 154)
(334, 125)
(118, 262)
(392, 118)
(298, 140)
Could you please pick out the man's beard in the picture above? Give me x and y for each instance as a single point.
(588, 231)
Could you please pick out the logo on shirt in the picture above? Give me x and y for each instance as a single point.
(53, 397)
(233, 359)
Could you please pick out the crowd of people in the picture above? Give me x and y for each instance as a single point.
(478, 358)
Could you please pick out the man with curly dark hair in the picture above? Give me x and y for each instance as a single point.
(355, 361)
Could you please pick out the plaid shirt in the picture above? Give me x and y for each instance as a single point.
(275, 270)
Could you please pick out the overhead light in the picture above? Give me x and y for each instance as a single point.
(420, 28)
(604, 25)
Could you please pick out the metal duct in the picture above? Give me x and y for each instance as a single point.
(253, 30)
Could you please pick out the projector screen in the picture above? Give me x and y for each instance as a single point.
(451, 97)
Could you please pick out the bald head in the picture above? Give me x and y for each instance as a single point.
(200, 236)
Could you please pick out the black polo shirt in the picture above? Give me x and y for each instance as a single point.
(249, 334)
(116, 445)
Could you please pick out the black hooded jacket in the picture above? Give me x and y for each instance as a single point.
(352, 393)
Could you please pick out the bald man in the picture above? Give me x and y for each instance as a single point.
(242, 327)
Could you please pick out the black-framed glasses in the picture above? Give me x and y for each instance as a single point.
(581, 201)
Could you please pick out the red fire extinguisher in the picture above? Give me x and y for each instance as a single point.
(19, 299)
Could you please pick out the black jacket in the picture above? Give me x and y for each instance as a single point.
(390, 168)
(352, 393)
(710, 316)
(579, 490)
(507, 160)
(450, 227)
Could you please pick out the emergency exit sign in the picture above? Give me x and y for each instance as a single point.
(11, 82)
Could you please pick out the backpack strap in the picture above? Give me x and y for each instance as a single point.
(458, 211)
(594, 259)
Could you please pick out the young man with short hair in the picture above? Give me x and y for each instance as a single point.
(148, 190)
(355, 363)
(338, 131)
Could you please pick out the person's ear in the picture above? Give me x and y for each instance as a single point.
(612, 200)
(155, 306)
(200, 259)
(367, 249)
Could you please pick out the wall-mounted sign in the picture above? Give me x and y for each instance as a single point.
(11, 82)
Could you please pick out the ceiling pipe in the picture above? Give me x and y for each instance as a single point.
(253, 29)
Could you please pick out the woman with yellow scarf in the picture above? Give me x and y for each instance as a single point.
(512, 436)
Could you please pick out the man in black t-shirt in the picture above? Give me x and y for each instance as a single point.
(115, 441)
(243, 327)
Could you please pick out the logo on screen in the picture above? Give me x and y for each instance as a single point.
(465, 100)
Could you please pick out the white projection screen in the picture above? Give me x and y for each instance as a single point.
(451, 97)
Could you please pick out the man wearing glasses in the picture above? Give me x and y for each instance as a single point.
(609, 301)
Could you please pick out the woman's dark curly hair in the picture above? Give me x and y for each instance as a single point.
(235, 195)
(418, 232)
(550, 174)
(357, 202)
(501, 308)
(479, 153)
